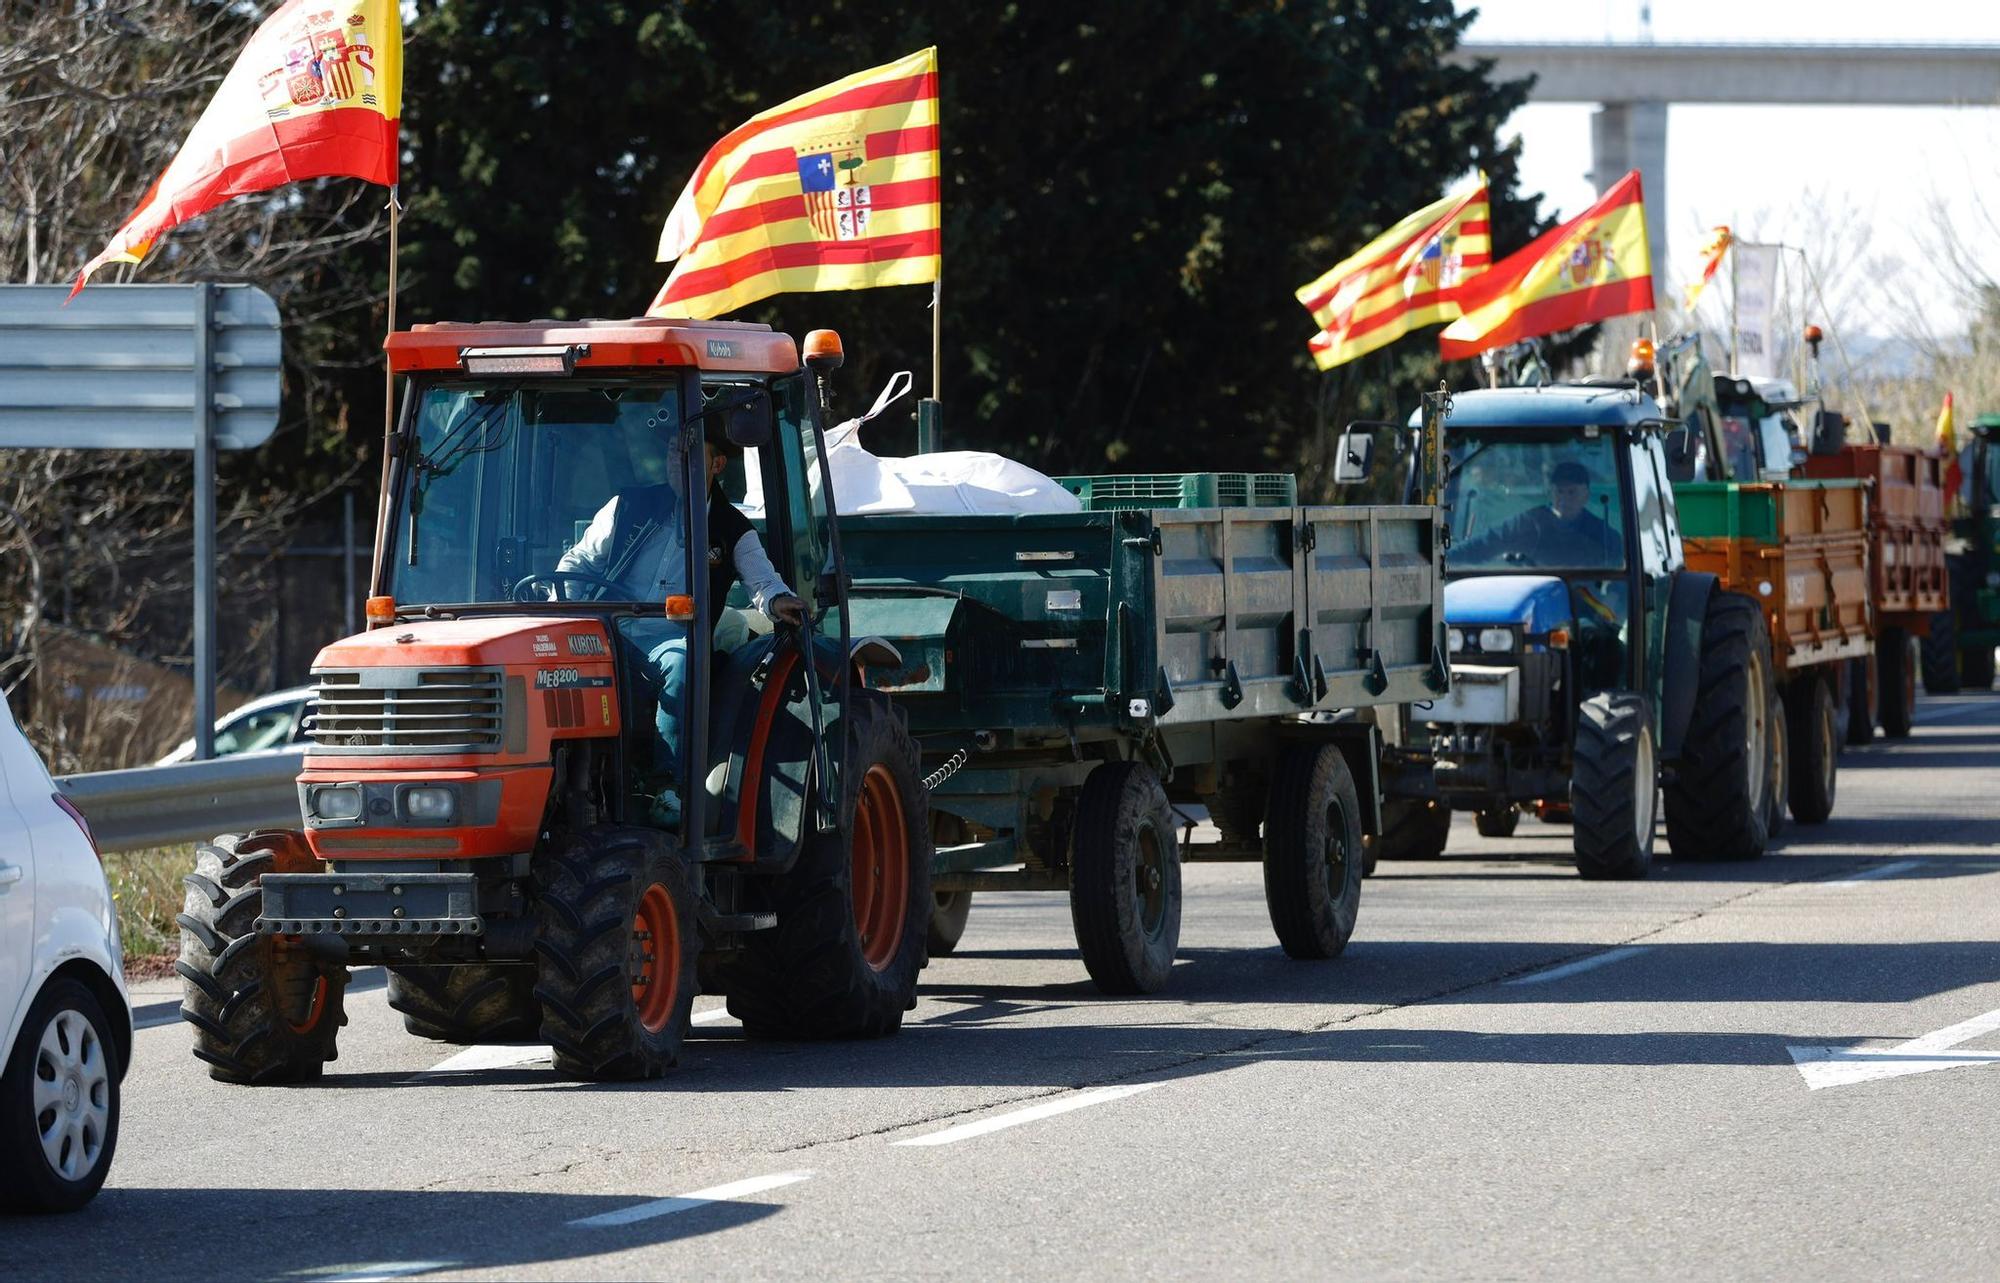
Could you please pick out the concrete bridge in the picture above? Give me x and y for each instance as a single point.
(1635, 83)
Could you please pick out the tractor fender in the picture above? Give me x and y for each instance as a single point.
(1687, 612)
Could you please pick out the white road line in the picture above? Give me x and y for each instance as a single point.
(386, 1270)
(1842, 1066)
(1592, 963)
(713, 1017)
(1048, 1109)
(1888, 870)
(688, 1202)
(489, 1056)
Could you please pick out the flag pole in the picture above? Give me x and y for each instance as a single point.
(388, 400)
(1846, 366)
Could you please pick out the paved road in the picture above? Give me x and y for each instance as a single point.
(1511, 1073)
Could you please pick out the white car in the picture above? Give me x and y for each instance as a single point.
(267, 723)
(63, 1004)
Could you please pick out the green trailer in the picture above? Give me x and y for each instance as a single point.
(1071, 678)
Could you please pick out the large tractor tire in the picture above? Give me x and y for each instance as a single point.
(949, 910)
(1313, 853)
(264, 1009)
(1896, 664)
(1778, 781)
(1717, 804)
(855, 908)
(1614, 784)
(615, 945)
(1498, 824)
(467, 1004)
(59, 1102)
(1863, 701)
(1940, 653)
(1125, 879)
(1813, 736)
(1412, 829)
(1975, 668)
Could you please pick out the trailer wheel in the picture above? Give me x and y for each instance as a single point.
(1863, 694)
(615, 946)
(1313, 852)
(1125, 879)
(1815, 745)
(949, 910)
(1778, 780)
(1614, 785)
(1896, 664)
(1716, 805)
(854, 910)
(1975, 668)
(467, 1004)
(1412, 829)
(1940, 653)
(264, 1010)
(1498, 824)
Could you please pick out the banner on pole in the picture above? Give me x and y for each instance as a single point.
(1757, 310)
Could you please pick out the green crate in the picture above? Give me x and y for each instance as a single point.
(1185, 490)
(1726, 510)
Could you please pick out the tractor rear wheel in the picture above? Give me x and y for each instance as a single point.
(1716, 805)
(949, 910)
(1312, 852)
(1614, 786)
(1815, 745)
(264, 1009)
(855, 908)
(1125, 879)
(1498, 824)
(1896, 664)
(474, 1003)
(615, 945)
(1940, 653)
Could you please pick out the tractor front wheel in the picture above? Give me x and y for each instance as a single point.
(1716, 805)
(474, 1003)
(265, 1010)
(949, 910)
(1614, 783)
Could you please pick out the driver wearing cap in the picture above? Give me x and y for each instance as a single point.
(1563, 533)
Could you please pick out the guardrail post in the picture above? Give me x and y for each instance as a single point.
(204, 522)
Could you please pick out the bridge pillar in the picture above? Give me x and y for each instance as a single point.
(1633, 135)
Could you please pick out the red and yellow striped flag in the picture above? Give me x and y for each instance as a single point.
(316, 93)
(1946, 442)
(1718, 243)
(835, 190)
(1404, 278)
(1595, 265)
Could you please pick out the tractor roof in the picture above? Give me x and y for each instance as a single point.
(644, 342)
(1560, 405)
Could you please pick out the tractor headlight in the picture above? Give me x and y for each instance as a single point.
(1454, 639)
(1491, 639)
(430, 805)
(335, 802)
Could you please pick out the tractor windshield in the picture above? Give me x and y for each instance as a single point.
(508, 494)
(1520, 500)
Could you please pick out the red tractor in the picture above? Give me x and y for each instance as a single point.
(568, 779)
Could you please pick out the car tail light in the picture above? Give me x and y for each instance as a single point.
(69, 809)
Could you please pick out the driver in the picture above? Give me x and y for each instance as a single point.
(637, 543)
(1563, 533)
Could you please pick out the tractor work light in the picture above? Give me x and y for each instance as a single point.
(560, 360)
(335, 802)
(822, 351)
(1454, 639)
(1496, 639)
(430, 804)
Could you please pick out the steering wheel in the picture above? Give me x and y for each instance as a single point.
(555, 579)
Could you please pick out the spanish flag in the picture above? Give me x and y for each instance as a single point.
(1947, 445)
(1594, 266)
(835, 190)
(1718, 243)
(1405, 278)
(317, 93)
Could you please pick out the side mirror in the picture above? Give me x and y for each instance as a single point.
(1354, 456)
(749, 424)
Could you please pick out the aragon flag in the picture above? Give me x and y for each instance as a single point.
(1403, 279)
(1594, 266)
(316, 93)
(836, 189)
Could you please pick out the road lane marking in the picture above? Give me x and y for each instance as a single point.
(688, 1202)
(1592, 963)
(716, 1016)
(490, 1056)
(385, 1270)
(1888, 870)
(1033, 1113)
(1842, 1066)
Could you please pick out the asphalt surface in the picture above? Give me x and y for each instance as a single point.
(1511, 1073)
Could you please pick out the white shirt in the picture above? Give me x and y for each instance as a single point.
(657, 569)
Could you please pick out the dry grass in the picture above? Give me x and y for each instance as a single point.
(146, 886)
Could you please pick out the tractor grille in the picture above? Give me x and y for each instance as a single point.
(411, 710)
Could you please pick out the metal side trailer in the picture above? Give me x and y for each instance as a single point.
(1908, 574)
(1070, 677)
(1800, 550)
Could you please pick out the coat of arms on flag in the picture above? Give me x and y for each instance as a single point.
(838, 203)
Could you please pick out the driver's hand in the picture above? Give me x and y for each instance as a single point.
(787, 609)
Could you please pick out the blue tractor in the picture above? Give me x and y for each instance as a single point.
(1591, 672)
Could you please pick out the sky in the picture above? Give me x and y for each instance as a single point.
(1861, 183)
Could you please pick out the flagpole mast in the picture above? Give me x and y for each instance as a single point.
(388, 399)
(1846, 366)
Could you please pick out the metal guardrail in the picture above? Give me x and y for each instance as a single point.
(188, 801)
